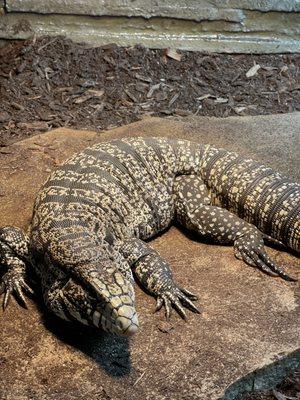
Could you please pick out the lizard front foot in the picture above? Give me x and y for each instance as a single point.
(250, 248)
(177, 297)
(13, 282)
(14, 251)
(155, 275)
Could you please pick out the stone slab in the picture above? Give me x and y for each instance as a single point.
(186, 9)
(260, 5)
(229, 10)
(267, 33)
(247, 336)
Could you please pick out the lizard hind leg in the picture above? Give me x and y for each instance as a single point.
(221, 226)
(14, 254)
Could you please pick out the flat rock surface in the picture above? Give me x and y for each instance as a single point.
(249, 321)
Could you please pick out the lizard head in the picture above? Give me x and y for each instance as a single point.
(105, 300)
(89, 286)
(115, 306)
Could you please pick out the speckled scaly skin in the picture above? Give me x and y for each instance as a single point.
(93, 215)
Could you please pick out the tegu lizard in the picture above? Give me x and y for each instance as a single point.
(93, 218)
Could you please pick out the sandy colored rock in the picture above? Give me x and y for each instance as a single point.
(211, 34)
(189, 9)
(233, 26)
(186, 9)
(261, 5)
(248, 333)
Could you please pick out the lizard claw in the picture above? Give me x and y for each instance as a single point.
(13, 283)
(176, 297)
(250, 248)
(189, 294)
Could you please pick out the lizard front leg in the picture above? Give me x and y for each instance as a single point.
(14, 253)
(194, 212)
(155, 276)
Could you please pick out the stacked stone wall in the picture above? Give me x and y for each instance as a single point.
(252, 26)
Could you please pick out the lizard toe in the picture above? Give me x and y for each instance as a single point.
(188, 294)
(263, 258)
(13, 283)
(250, 248)
(178, 299)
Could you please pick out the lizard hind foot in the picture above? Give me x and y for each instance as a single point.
(250, 248)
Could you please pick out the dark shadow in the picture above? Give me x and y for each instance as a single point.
(110, 352)
(264, 378)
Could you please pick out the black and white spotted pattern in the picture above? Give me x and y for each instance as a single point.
(93, 215)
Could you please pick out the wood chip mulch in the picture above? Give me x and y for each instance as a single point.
(52, 82)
